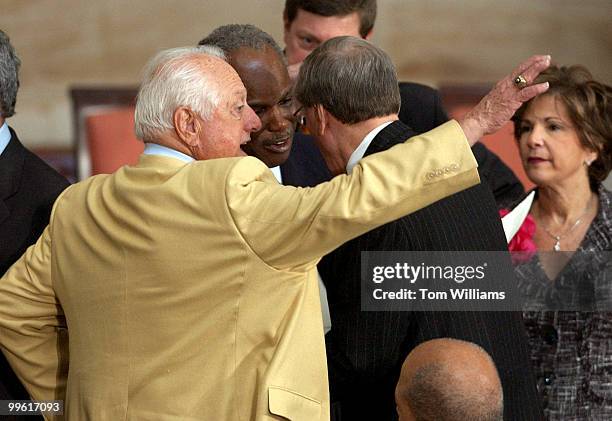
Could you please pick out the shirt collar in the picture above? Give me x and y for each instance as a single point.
(5, 137)
(363, 147)
(155, 149)
(277, 173)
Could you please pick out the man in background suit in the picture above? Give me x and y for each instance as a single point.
(191, 292)
(308, 23)
(366, 349)
(28, 188)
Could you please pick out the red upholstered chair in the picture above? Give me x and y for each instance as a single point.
(111, 140)
(458, 100)
(103, 120)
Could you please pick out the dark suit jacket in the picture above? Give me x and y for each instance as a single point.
(305, 166)
(422, 110)
(366, 349)
(28, 188)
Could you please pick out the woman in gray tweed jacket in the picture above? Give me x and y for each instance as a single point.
(565, 141)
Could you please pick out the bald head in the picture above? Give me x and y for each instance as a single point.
(448, 379)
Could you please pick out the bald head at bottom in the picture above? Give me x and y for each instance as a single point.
(449, 379)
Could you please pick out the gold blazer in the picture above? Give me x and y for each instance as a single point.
(189, 291)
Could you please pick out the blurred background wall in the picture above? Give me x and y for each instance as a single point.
(63, 43)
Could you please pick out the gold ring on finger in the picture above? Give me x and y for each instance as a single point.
(520, 81)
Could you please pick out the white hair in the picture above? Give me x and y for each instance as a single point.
(174, 78)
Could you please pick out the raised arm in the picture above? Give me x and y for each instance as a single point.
(289, 227)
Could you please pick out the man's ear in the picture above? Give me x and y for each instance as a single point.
(186, 125)
(369, 35)
(286, 23)
(321, 120)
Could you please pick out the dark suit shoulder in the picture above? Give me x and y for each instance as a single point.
(421, 107)
(305, 166)
(418, 90)
(502, 181)
(42, 177)
(30, 190)
(422, 110)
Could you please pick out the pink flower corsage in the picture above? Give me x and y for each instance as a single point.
(521, 247)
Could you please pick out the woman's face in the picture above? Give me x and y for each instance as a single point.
(550, 149)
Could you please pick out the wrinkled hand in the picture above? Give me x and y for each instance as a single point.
(294, 71)
(500, 104)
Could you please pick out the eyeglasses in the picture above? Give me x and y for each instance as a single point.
(299, 116)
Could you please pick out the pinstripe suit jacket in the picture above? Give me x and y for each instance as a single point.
(366, 349)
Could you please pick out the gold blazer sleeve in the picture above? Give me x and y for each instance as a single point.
(292, 227)
(32, 324)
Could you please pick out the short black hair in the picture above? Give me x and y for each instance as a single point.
(365, 8)
(234, 36)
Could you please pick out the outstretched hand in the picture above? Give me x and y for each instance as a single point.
(500, 104)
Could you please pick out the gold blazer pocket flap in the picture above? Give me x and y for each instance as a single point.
(292, 405)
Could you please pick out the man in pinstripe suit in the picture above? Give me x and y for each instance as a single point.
(365, 350)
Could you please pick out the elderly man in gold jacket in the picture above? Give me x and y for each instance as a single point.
(184, 287)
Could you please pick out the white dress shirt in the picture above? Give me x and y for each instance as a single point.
(5, 137)
(155, 149)
(363, 147)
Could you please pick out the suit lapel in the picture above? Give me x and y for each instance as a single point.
(11, 169)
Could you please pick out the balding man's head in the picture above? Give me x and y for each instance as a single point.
(351, 78)
(448, 379)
